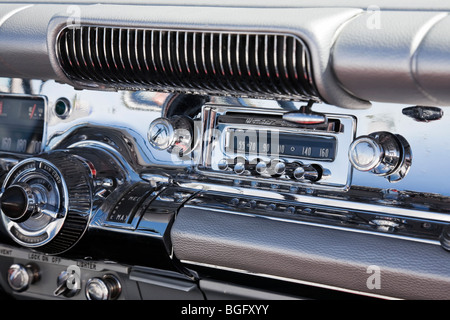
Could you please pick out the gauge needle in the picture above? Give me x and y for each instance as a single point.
(32, 111)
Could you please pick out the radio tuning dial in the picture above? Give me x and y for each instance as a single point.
(383, 154)
(174, 134)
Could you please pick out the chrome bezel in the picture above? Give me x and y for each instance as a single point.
(213, 149)
(376, 159)
(49, 231)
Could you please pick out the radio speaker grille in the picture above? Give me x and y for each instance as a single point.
(221, 63)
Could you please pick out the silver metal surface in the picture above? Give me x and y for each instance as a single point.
(132, 113)
(106, 288)
(42, 228)
(216, 141)
(20, 277)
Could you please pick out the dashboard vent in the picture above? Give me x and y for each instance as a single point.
(221, 63)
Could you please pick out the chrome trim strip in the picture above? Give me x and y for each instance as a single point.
(314, 284)
(411, 213)
(321, 225)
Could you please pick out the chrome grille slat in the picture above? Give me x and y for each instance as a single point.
(274, 66)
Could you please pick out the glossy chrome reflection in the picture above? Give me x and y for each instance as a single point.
(382, 153)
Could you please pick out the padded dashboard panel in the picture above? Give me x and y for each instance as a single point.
(400, 59)
(403, 59)
(312, 254)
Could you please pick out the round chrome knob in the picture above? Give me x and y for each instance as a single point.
(277, 168)
(239, 166)
(365, 153)
(174, 134)
(106, 288)
(20, 277)
(383, 154)
(298, 173)
(223, 164)
(46, 202)
(301, 172)
(261, 168)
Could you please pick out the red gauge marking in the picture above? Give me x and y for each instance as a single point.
(32, 111)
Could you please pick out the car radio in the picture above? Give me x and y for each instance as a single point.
(273, 147)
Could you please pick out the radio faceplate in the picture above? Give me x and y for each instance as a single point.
(258, 145)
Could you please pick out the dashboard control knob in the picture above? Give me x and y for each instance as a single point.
(277, 168)
(365, 153)
(68, 284)
(301, 172)
(18, 202)
(106, 288)
(239, 165)
(261, 168)
(47, 201)
(223, 164)
(311, 173)
(381, 153)
(174, 134)
(298, 173)
(20, 277)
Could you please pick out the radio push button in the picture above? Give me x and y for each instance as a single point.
(261, 168)
(277, 168)
(300, 172)
(239, 165)
(223, 165)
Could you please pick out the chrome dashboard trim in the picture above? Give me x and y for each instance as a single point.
(321, 225)
(314, 200)
(314, 284)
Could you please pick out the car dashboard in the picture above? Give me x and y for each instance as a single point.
(201, 151)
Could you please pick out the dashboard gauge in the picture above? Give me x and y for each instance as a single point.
(35, 112)
(22, 120)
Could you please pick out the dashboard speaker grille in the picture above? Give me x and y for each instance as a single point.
(222, 63)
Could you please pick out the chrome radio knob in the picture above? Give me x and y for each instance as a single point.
(20, 277)
(239, 166)
(106, 288)
(174, 134)
(365, 153)
(261, 168)
(381, 153)
(301, 172)
(223, 165)
(277, 168)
